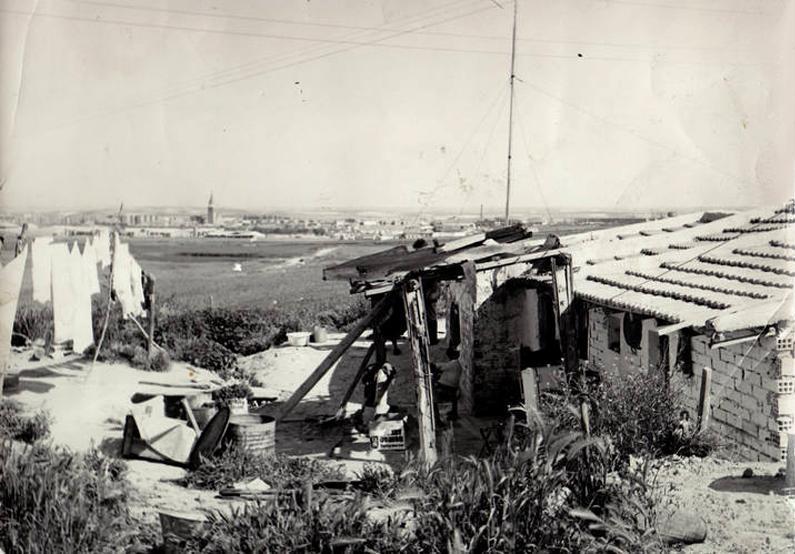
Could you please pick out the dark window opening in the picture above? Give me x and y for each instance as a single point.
(614, 332)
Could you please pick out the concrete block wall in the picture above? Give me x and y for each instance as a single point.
(743, 392)
(601, 356)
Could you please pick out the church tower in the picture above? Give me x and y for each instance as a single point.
(210, 211)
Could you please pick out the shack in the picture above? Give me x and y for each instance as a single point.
(704, 297)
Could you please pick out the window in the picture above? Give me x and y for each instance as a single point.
(614, 332)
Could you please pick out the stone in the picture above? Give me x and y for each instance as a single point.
(748, 473)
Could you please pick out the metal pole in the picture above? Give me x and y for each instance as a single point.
(510, 116)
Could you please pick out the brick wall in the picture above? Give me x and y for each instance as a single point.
(744, 386)
(499, 324)
(744, 399)
(627, 359)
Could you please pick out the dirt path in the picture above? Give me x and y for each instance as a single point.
(743, 515)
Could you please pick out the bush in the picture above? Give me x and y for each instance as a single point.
(32, 323)
(52, 501)
(279, 471)
(639, 412)
(559, 495)
(15, 425)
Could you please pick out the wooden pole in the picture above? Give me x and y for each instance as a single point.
(358, 377)
(191, 417)
(150, 279)
(420, 357)
(704, 399)
(333, 356)
(109, 302)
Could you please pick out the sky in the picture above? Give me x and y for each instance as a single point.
(313, 104)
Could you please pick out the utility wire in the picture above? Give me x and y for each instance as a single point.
(279, 21)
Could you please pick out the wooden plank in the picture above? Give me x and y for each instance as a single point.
(704, 399)
(420, 357)
(358, 377)
(563, 289)
(530, 391)
(673, 328)
(332, 357)
(524, 258)
(462, 243)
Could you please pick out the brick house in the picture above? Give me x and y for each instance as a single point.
(677, 295)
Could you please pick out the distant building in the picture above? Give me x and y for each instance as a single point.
(210, 211)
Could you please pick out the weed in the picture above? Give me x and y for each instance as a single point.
(52, 501)
(279, 471)
(15, 425)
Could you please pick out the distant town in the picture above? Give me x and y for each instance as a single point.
(213, 223)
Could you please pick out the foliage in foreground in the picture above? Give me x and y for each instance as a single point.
(54, 501)
(560, 494)
(14, 424)
(639, 412)
(279, 471)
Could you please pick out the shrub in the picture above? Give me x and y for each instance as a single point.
(15, 425)
(32, 323)
(52, 501)
(559, 495)
(639, 412)
(236, 464)
(240, 389)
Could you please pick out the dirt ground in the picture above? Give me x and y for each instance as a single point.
(89, 406)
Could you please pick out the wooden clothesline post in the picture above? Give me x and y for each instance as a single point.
(109, 302)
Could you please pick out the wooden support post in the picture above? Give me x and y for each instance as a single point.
(358, 377)
(333, 356)
(420, 357)
(530, 391)
(150, 294)
(704, 400)
(108, 304)
(563, 289)
(191, 417)
(790, 478)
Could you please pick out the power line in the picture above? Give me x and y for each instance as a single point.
(218, 15)
(258, 73)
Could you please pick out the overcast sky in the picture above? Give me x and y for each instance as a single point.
(322, 103)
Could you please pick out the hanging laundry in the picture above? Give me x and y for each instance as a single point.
(71, 303)
(41, 257)
(63, 303)
(82, 328)
(10, 284)
(90, 268)
(121, 277)
(102, 247)
(137, 287)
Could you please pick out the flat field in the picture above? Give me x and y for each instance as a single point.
(192, 273)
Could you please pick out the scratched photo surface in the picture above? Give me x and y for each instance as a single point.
(298, 251)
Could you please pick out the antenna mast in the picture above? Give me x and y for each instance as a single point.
(510, 116)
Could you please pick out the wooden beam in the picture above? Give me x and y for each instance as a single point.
(333, 356)
(563, 289)
(704, 400)
(420, 357)
(358, 377)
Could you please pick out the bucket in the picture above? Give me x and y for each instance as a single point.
(204, 414)
(256, 433)
(299, 338)
(319, 334)
(178, 527)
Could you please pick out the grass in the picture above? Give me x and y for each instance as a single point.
(14, 424)
(279, 471)
(561, 494)
(52, 500)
